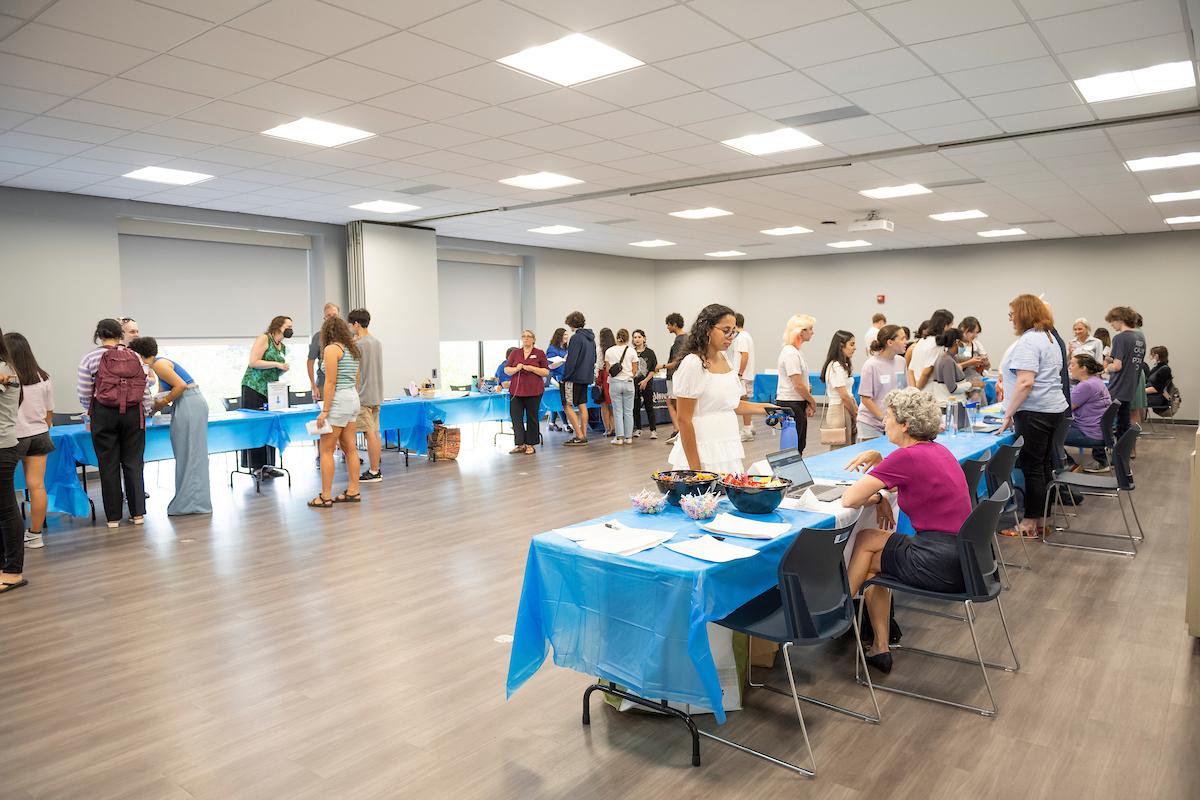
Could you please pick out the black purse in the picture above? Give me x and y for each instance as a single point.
(615, 369)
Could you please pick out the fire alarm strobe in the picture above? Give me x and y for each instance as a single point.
(873, 222)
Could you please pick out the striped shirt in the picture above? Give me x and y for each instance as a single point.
(85, 382)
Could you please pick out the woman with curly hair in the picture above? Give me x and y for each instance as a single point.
(709, 397)
(339, 408)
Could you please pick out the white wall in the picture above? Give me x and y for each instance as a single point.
(60, 268)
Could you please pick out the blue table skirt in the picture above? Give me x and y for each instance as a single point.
(641, 620)
(766, 385)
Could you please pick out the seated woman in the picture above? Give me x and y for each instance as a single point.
(932, 492)
(948, 379)
(1159, 379)
(1089, 401)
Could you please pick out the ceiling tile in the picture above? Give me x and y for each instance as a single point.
(45, 144)
(435, 135)
(190, 76)
(32, 158)
(689, 108)
(907, 94)
(1040, 9)
(1111, 25)
(773, 91)
(196, 131)
(24, 9)
(340, 157)
(769, 16)
(400, 15)
(1151, 104)
(41, 76)
(387, 147)
(562, 105)
(889, 66)
(584, 15)
(832, 40)
(1042, 98)
(70, 129)
(211, 10)
(925, 20)
(602, 152)
(102, 114)
(144, 97)
(27, 100)
(733, 126)
(494, 121)
(939, 114)
(1007, 77)
(495, 150)
(124, 21)
(73, 49)
(412, 57)
(724, 65)
(848, 130)
(290, 100)
(1126, 55)
(9, 24)
(426, 102)
(281, 148)
(233, 115)
(614, 124)
(998, 46)
(552, 137)
(665, 140)
(1044, 119)
(245, 52)
(232, 156)
(493, 83)
(343, 79)
(491, 29)
(310, 25)
(664, 34)
(370, 118)
(950, 133)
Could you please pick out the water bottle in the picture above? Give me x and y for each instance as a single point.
(973, 413)
(952, 417)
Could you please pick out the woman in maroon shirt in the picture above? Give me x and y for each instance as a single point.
(528, 368)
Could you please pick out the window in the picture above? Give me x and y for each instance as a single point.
(217, 365)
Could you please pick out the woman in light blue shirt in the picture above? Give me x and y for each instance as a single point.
(1035, 402)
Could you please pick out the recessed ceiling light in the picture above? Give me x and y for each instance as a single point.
(1002, 232)
(725, 253)
(1171, 197)
(541, 180)
(652, 243)
(385, 207)
(570, 60)
(314, 131)
(1163, 162)
(1181, 220)
(555, 230)
(887, 192)
(177, 177)
(701, 213)
(778, 141)
(952, 216)
(1137, 82)
(851, 243)
(786, 231)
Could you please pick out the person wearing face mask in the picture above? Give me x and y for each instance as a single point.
(267, 363)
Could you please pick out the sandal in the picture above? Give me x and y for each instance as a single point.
(518, 449)
(320, 502)
(7, 586)
(529, 450)
(346, 497)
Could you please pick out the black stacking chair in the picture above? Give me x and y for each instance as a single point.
(299, 398)
(999, 473)
(981, 575)
(811, 605)
(1119, 484)
(973, 469)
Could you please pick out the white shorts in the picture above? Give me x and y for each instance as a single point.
(345, 407)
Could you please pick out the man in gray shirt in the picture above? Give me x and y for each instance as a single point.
(370, 390)
(1125, 362)
(317, 379)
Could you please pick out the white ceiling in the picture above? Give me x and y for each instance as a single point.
(91, 89)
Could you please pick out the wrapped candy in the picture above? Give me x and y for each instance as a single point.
(700, 506)
(648, 502)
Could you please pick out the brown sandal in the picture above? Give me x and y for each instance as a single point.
(529, 450)
(517, 449)
(320, 501)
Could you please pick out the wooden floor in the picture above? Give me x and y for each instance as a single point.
(272, 651)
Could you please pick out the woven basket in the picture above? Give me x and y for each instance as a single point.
(444, 442)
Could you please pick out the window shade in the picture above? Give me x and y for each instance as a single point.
(478, 301)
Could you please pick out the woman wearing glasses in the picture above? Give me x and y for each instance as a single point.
(794, 391)
(708, 393)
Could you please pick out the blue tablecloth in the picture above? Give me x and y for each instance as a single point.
(765, 386)
(641, 620)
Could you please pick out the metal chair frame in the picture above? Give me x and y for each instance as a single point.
(1116, 486)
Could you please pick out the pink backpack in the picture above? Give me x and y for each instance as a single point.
(120, 380)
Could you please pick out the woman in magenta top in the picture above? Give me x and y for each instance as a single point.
(527, 368)
(932, 491)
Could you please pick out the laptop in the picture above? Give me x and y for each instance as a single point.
(790, 464)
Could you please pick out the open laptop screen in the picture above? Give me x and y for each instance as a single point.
(790, 464)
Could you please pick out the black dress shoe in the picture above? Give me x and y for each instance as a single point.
(894, 632)
(881, 662)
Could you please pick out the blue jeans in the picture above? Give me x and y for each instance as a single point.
(1077, 438)
(622, 407)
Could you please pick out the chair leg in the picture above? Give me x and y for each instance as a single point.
(1141, 537)
(817, 702)
(1011, 648)
(982, 665)
(1132, 552)
(750, 666)
(787, 662)
(1005, 580)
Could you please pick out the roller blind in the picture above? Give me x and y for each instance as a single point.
(478, 301)
(180, 288)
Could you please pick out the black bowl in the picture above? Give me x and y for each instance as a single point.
(756, 499)
(675, 482)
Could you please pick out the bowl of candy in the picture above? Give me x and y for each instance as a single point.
(755, 494)
(675, 483)
(700, 506)
(648, 502)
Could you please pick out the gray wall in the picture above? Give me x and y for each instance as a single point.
(60, 268)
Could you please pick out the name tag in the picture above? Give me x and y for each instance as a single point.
(885, 379)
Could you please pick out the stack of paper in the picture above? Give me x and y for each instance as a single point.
(615, 537)
(706, 548)
(745, 528)
(809, 502)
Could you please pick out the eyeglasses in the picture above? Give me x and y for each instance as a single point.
(730, 333)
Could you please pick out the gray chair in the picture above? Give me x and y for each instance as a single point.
(811, 605)
(299, 398)
(973, 469)
(1117, 485)
(999, 473)
(981, 577)
(231, 403)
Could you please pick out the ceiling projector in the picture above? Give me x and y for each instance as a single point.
(872, 223)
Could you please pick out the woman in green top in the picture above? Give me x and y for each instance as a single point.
(267, 364)
(339, 409)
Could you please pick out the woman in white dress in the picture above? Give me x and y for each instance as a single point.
(708, 395)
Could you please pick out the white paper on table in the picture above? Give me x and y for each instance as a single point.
(834, 508)
(581, 532)
(626, 541)
(706, 548)
(311, 427)
(730, 525)
(556, 360)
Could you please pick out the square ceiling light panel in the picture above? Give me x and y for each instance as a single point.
(541, 180)
(385, 207)
(652, 243)
(555, 230)
(1002, 232)
(175, 177)
(954, 216)
(313, 131)
(1163, 162)
(789, 231)
(850, 243)
(777, 141)
(701, 213)
(570, 60)
(1137, 82)
(888, 192)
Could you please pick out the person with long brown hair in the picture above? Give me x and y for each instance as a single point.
(34, 418)
(267, 362)
(339, 408)
(12, 544)
(1034, 401)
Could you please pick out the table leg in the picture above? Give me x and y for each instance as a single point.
(660, 707)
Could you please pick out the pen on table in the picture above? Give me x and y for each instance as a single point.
(713, 535)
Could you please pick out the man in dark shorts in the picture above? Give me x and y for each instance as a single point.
(578, 372)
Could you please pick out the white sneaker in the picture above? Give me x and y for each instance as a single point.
(627, 441)
(747, 436)
(34, 541)
(615, 440)
(653, 434)
(749, 431)
(637, 433)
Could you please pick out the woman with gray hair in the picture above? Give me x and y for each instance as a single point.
(932, 491)
(1084, 342)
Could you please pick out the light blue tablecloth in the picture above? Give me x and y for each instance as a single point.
(765, 386)
(641, 620)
